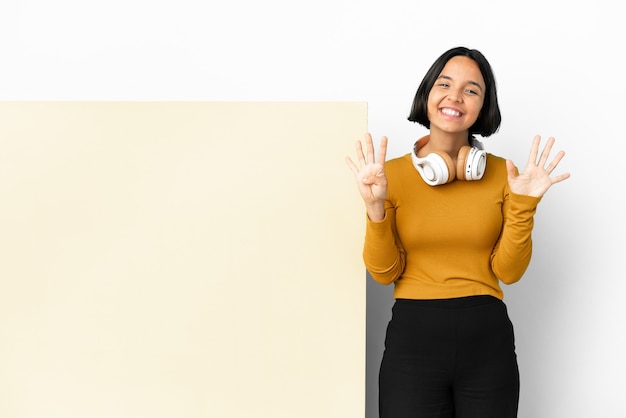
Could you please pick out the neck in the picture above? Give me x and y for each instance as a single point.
(447, 142)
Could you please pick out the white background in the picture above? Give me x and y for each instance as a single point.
(559, 71)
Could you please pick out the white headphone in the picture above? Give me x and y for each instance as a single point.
(438, 168)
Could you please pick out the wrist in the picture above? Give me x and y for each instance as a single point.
(375, 212)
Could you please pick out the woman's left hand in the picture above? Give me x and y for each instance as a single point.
(535, 180)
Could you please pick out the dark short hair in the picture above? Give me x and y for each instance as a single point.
(489, 119)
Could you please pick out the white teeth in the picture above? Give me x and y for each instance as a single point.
(450, 112)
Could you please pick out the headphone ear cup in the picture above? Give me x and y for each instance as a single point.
(470, 163)
(449, 164)
(461, 162)
(436, 168)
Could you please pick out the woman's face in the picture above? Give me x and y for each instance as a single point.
(456, 98)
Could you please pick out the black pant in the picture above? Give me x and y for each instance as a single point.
(449, 358)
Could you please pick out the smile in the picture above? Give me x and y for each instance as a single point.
(450, 112)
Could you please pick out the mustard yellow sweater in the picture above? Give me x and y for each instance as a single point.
(452, 240)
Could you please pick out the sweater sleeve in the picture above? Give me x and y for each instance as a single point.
(383, 254)
(512, 253)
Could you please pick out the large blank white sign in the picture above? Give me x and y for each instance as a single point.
(180, 259)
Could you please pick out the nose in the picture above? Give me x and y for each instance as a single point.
(455, 95)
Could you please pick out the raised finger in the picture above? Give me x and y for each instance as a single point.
(359, 153)
(555, 161)
(351, 165)
(369, 147)
(546, 152)
(382, 151)
(560, 178)
(534, 150)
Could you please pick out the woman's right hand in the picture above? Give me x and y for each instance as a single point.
(370, 176)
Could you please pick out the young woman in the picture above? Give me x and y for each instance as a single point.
(446, 223)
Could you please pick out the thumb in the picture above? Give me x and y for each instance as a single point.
(510, 169)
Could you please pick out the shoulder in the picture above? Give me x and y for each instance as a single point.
(400, 163)
(401, 172)
(496, 161)
(495, 171)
